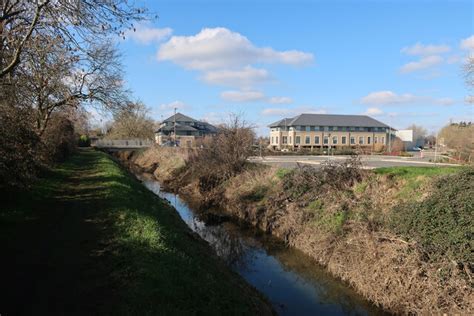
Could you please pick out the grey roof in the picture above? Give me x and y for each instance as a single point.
(179, 118)
(306, 119)
(197, 126)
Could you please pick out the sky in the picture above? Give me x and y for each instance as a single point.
(397, 61)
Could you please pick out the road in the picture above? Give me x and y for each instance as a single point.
(369, 162)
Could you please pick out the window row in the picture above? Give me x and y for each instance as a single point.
(360, 140)
(303, 128)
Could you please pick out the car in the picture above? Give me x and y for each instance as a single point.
(416, 149)
(170, 144)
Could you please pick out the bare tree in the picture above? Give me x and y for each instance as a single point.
(132, 122)
(77, 23)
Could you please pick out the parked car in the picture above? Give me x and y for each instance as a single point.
(170, 144)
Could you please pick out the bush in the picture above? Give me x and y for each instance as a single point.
(19, 145)
(222, 156)
(59, 138)
(84, 141)
(443, 223)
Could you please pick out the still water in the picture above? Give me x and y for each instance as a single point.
(292, 281)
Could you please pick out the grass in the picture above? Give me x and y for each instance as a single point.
(414, 178)
(110, 246)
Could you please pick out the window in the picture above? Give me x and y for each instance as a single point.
(353, 140)
(353, 128)
(307, 140)
(383, 140)
(368, 140)
(344, 140)
(316, 139)
(361, 140)
(298, 128)
(316, 128)
(376, 139)
(326, 140)
(334, 140)
(284, 139)
(375, 129)
(326, 128)
(297, 139)
(308, 128)
(276, 139)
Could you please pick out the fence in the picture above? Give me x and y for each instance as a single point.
(122, 143)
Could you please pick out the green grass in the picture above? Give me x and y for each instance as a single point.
(410, 172)
(124, 241)
(415, 178)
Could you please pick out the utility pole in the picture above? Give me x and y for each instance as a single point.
(174, 127)
(390, 136)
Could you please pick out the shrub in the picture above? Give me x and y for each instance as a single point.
(58, 138)
(19, 145)
(84, 141)
(222, 156)
(442, 223)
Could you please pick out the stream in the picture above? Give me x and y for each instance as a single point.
(293, 282)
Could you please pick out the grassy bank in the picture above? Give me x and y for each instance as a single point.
(401, 236)
(90, 239)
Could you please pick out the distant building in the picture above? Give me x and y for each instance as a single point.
(328, 130)
(188, 131)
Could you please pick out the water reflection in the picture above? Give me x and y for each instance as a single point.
(293, 282)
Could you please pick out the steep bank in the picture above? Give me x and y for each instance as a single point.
(401, 236)
(90, 239)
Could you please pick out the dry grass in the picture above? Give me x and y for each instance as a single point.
(342, 224)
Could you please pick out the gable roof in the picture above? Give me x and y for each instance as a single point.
(179, 118)
(307, 119)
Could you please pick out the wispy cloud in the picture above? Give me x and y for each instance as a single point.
(243, 96)
(424, 50)
(391, 98)
(280, 100)
(145, 33)
(373, 111)
(289, 112)
(423, 63)
(242, 78)
(467, 43)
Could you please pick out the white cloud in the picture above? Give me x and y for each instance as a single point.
(373, 111)
(245, 77)
(175, 104)
(425, 50)
(243, 96)
(220, 48)
(444, 101)
(468, 43)
(280, 100)
(144, 33)
(392, 98)
(423, 63)
(292, 112)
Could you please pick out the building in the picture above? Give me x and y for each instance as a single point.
(328, 130)
(188, 131)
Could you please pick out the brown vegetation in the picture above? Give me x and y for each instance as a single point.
(344, 218)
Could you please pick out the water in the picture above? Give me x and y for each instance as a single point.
(293, 282)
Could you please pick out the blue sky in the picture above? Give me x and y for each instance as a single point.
(398, 61)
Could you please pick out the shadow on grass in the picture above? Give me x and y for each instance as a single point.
(89, 239)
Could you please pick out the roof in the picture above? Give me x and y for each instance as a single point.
(307, 119)
(197, 126)
(179, 118)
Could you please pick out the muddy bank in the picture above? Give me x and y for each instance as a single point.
(343, 229)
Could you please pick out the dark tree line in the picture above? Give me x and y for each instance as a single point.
(55, 57)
